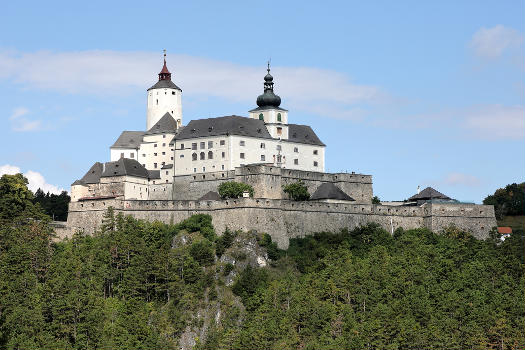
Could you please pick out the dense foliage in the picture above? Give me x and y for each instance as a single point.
(54, 205)
(297, 191)
(508, 201)
(232, 189)
(376, 200)
(140, 285)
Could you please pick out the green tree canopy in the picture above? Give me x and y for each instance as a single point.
(232, 189)
(508, 201)
(297, 191)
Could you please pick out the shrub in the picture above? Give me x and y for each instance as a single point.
(227, 269)
(271, 247)
(297, 191)
(224, 242)
(202, 252)
(232, 189)
(199, 223)
(376, 200)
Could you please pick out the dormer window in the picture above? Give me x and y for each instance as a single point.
(279, 117)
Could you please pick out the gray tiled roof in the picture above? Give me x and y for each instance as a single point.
(166, 124)
(154, 174)
(229, 125)
(129, 139)
(167, 166)
(92, 176)
(303, 134)
(211, 196)
(330, 191)
(267, 108)
(427, 194)
(165, 84)
(125, 166)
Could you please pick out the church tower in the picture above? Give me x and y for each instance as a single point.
(275, 118)
(164, 97)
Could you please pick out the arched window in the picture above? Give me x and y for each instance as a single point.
(210, 155)
(202, 156)
(279, 117)
(194, 156)
(261, 116)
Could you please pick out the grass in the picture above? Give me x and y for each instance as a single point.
(516, 222)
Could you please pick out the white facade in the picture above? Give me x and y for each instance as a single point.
(117, 153)
(276, 120)
(161, 101)
(155, 151)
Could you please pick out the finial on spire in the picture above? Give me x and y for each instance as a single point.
(268, 69)
(164, 73)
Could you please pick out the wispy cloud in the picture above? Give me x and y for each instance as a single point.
(496, 122)
(35, 179)
(114, 73)
(20, 123)
(492, 43)
(460, 179)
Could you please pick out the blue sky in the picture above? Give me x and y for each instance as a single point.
(411, 92)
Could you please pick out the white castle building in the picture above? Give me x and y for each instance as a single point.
(216, 144)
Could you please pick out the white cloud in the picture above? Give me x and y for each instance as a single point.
(496, 121)
(21, 123)
(454, 179)
(36, 180)
(492, 42)
(112, 72)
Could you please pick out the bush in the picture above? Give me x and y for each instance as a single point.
(297, 191)
(376, 200)
(224, 242)
(199, 223)
(227, 269)
(202, 252)
(271, 247)
(232, 189)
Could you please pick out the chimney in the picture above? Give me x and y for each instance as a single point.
(418, 189)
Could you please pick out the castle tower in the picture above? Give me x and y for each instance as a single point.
(164, 97)
(274, 117)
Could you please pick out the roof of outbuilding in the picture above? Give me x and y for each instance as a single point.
(125, 166)
(504, 230)
(166, 124)
(330, 191)
(129, 139)
(427, 194)
(229, 125)
(92, 176)
(303, 134)
(164, 84)
(211, 196)
(153, 174)
(167, 166)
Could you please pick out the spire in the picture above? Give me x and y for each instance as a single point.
(268, 99)
(164, 73)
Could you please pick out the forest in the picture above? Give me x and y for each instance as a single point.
(149, 285)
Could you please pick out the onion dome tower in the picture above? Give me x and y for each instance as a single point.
(269, 111)
(164, 97)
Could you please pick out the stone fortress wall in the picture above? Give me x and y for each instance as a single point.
(285, 219)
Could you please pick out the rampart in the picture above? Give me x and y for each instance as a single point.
(285, 219)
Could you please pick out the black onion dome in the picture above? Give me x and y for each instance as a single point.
(268, 99)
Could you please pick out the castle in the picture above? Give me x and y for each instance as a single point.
(171, 171)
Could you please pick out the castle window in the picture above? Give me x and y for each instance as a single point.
(279, 117)
(278, 147)
(164, 136)
(315, 163)
(222, 142)
(166, 172)
(166, 182)
(210, 155)
(194, 170)
(223, 154)
(122, 155)
(203, 145)
(164, 145)
(173, 92)
(155, 145)
(155, 154)
(296, 150)
(194, 156)
(202, 156)
(241, 143)
(163, 163)
(157, 101)
(181, 156)
(263, 157)
(163, 153)
(155, 165)
(194, 145)
(261, 117)
(279, 131)
(143, 154)
(315, 152)
(296, 161)
(263, 145)
(203, 169)
(242, 155)
(222, 168)
(210, 144)
(181, 146)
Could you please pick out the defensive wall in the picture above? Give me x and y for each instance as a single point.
(268, 181)
(285, 219)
